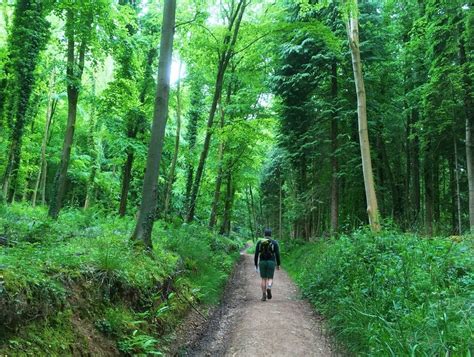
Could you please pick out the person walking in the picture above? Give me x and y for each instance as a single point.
(267, 255)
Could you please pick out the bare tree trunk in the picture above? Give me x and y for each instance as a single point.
(353, 34)
(171, 178)
(74, 77)
(229, 43)
(146, 215)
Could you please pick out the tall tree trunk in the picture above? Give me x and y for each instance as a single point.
(469, 114)
(458, 192)
(146, 215)
(353, 34)
(74, 77)
(51, 108)
(229, 43)
(171, 178)
(334, 161)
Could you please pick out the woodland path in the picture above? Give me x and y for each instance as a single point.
(245, 326)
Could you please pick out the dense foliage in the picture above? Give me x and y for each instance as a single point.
(392, 294)
(83, 275)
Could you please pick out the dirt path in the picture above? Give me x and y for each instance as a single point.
(246, 326)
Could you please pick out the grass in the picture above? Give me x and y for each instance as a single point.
(392, 294)
(83, 265)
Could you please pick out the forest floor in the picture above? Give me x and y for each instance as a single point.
(245, 326)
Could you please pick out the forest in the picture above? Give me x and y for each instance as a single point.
(144, 144)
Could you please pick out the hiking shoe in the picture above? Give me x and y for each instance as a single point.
(264, 297)
(269, 294)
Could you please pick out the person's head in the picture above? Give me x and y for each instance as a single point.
(267, 232)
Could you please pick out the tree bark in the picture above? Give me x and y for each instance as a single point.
(353, 34)
(146, 215)
(171, 178)
(229, 43)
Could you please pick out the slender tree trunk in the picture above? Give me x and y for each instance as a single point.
(146, 215)
(469, 114)
(229, 43)
(458, 192)
(353, 34)
(74, 77)
(51, 108)
(334, 161)
(171, 176)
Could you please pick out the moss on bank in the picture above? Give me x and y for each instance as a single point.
(78, 285)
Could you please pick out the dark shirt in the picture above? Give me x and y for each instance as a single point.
(276, 255)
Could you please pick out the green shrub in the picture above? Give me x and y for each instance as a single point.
(391, 294)
(84, 263)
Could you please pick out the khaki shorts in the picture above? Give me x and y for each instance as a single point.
(267, 269)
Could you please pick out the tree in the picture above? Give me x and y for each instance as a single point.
(80, 26)
(234, 16)
(353, 36)
(146, 215)
(29, 35)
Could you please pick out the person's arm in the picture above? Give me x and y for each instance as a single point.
(255, 258)
(277, 254)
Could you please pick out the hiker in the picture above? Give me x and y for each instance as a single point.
(267, 253)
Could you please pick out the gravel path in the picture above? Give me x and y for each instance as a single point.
(245, 326)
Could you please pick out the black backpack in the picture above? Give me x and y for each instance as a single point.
(267, 249)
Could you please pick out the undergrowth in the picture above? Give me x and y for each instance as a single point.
(82, 267)
(392, 294)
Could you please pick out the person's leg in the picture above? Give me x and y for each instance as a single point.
(269, 283)
(263, 285)
(271, 271)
